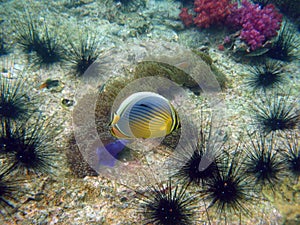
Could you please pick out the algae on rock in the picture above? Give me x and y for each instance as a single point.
(152, 68)
(220, 76)
(287, 201)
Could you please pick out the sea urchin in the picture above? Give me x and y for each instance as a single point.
(262, 162)
(14, 102)
(83, 55)
(285, 44)
(266, 76)
(276, 114)
(229, 190)
(169, 205)
(29, 147)
(41, 45)
(291, 154)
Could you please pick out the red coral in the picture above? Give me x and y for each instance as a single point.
(221, 47)
(210, 12)
(186, 18)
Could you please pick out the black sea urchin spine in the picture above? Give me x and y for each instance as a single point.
(191, 173)
(196, 159)
(290, 153)
(266, 76)
(41, 45)
(169, 205)
(83, 55)
(276, 114)
(15, 104)
(199, 160)
(4, 46)
(230, 190)
(285, 45)
(263, 164)
(8, 189)
(31, 148)
(27, 33)
(48, 49)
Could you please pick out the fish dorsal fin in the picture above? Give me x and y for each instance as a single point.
(131, 100)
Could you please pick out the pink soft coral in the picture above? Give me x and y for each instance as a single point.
(257, 24)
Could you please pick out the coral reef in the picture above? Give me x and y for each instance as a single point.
(220, 76)
(148, 68)
(128, 47)
(256, 24)
(130, 5)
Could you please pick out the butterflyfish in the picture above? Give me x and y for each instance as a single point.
(144, 115)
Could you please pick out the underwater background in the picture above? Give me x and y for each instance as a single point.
(229, 68)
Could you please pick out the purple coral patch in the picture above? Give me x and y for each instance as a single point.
(257, 24)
